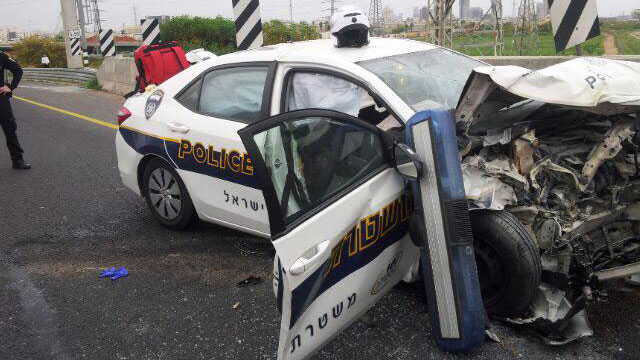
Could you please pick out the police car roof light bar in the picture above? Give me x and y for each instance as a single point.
(441, 220)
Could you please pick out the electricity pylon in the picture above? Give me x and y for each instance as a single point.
(440, 22)
(376, 17)
(476, 36)
(526, 40)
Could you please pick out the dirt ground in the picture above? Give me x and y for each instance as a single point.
(610, 47)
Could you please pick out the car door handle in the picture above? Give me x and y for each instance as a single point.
(176, 127)
(303, 264)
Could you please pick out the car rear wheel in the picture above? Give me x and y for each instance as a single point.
(166, 196)
(508, 262)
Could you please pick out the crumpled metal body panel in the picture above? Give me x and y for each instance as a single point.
(560, 149)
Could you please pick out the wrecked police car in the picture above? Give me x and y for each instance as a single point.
(550, 171)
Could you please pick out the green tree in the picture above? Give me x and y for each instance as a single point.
(217, 35)
(276, 32)
(29, 52)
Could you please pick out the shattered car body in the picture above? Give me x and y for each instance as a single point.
(558, 148)
(524, 147)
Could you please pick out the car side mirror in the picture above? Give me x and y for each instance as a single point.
(406, 162)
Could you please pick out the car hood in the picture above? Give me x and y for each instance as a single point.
(498, 97)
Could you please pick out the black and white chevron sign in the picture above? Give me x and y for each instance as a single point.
(75, 47)
(573, 21)
(150, 31)
(248, 24)
(107, 43)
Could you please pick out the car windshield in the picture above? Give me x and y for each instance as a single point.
(427, 79)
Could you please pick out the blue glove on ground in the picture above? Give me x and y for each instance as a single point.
(114, 273)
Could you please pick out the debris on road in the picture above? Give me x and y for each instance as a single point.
(250, 281)
(492, 336)
(634, 280)
(114, 273)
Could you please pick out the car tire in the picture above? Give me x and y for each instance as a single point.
(167, 196)
(508, 262)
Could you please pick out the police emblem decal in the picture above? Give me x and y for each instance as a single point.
(153, 102)
(386, 275)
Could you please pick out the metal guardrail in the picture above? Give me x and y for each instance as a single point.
(79, 76)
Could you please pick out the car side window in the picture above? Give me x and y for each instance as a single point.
(314, 90)
(189, 97)
(234, 93)
(309, 160)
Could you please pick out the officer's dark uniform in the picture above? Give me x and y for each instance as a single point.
(7, 120)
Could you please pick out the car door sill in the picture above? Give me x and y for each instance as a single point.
(234, 226)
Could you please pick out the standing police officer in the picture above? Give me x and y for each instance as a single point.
(7, 120)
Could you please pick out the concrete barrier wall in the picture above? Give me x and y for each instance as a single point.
(118, 75)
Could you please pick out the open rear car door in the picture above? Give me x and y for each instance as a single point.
(339, 220)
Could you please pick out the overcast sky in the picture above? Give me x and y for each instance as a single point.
(44, 14)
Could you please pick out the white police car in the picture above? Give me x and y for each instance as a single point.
(178, 146)
(194, 147)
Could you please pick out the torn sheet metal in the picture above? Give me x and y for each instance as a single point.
(609, 147)
(554, 319)
(486, 192)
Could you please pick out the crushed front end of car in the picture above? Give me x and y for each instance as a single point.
(559, 149)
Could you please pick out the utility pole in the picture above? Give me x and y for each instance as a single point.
(71, 32)
(97, 23)
(135, 16)
(81, 11)
(331, 9)
(291, 10)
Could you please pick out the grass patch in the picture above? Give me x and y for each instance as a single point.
(95, 63)
(92, 84)
(483, 46)
(627, 43)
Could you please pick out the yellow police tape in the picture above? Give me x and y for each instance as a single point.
(86, 118)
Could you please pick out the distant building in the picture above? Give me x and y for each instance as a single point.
(388, 15)
(635, 14)
(416, 12)
(123, 43)
(424, 13)
(465, 9)
(476, 13)
(9, 34)
(542, 10)
(160, 18)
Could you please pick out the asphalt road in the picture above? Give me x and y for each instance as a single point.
(70, 216)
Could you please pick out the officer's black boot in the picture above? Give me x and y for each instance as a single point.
(21, 165)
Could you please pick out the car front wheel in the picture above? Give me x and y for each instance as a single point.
(167, 196)
(508, 262)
